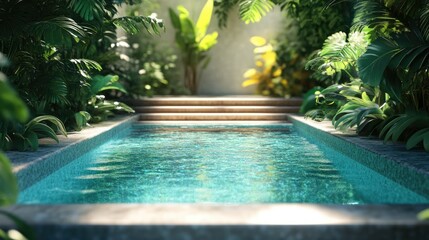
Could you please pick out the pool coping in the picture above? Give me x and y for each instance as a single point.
(201, 221)
(409, 168)
(31, 167)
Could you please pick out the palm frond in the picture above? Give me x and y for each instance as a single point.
(57, 31)
(88, 9)
(375, 15)
(424, 22)
(254, 10)
(132, 24)
(406, 51)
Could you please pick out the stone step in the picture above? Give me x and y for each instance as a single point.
(216, 109)
(215, 101)
(213, 117)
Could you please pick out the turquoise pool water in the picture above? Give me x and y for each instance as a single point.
(215, 164)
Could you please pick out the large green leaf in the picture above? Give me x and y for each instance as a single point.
(203, 21)
(11, 106)
(47, 118)
(375, 60)
(175, 20)
(101, 83)
(187, 26)
(8, 182)
(406, 51)
(421, 136)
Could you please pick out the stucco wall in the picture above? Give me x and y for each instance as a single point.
(233, 54)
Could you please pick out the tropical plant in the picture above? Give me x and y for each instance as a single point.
(55, 47)
(267, 75)
(193, 41)
(11, 109)
(98, 107)
(394, 67)
(306, 25)
(250, 11)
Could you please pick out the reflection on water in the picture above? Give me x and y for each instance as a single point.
(232, 165)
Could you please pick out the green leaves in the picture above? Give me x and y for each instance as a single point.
(193, 40)
(132, 24)
(58, 30)
(26, 138)
(101, 83)
(88, 9)
(82, 118)
(254, 10)
(8, 183)
(412, 127)
(11, 106)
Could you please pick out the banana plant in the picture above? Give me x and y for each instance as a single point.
(193, 41)
(268, 73)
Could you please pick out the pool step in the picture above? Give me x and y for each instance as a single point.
(213, 117)
(216, 109)
(244, 108)
(216, 101)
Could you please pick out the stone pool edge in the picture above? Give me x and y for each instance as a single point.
(204, 221)
(409, 168)
(31, 167)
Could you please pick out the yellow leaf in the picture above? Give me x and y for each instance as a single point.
(423, 215)
(250, 82)
(277, 72)
(264, 49)
(208, 41)
(269, 58)
(249, 73)
(258, 41)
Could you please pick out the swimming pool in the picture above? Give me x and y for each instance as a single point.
(215, 164)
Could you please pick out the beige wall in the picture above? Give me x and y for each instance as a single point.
(233, 54)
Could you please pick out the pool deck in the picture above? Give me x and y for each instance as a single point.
(215, 221)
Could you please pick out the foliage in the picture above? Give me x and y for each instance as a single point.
(412, 127)
(150, 68)
(253, 11)
(14, 110)
(8, 183)
(306, 25)
(193, 41)
(267, 75)
(339, 55)
(57, 47)
(424, 215)
(389, 70)
(26, 137)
